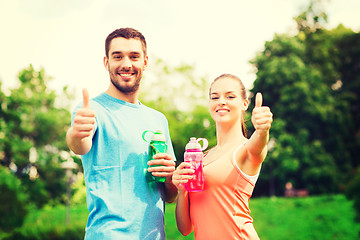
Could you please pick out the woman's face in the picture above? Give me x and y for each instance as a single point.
(226, 103)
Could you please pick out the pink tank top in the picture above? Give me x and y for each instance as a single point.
(222, 211)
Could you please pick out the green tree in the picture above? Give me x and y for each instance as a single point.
(13, 201)
(33, 129)
(301, 105)
(302, 78)
(350, 92)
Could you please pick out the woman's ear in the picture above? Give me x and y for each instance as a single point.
(245, 105)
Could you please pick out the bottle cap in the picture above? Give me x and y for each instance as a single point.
(158, 136)
(155, 136)
(192, 144)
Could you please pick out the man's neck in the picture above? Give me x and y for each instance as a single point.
(127, 97)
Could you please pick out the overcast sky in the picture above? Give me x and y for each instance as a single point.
(67, 37)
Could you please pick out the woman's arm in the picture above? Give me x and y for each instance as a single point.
(257, 144)
(180, 177)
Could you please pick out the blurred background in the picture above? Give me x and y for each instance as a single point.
(304, 56)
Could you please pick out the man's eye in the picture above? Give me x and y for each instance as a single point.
(134, 57)
(117, 57)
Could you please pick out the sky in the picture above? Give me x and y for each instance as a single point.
(67, 37)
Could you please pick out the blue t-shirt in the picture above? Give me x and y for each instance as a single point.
(122, 205)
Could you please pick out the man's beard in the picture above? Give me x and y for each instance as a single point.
(127, 89)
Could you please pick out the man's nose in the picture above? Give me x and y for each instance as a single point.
(126, 63)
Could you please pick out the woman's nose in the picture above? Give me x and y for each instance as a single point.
(222, 102)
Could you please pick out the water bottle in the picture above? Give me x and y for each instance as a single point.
(157, 145)
(194, 155)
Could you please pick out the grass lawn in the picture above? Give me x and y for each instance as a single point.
(318, 217)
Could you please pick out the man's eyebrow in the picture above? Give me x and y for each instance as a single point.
(116, 52)
(120, 52)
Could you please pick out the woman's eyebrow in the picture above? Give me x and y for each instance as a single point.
(233, 92)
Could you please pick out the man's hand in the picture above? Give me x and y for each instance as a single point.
(166, 169)
(79, 135)
(84, 119)
(165, 165)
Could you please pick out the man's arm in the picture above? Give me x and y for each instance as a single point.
(171, 191)
(165, 168)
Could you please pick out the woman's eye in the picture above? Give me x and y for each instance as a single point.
(214, 98)
(231, 97)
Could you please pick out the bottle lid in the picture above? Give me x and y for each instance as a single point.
(193, 144)
(158, 136)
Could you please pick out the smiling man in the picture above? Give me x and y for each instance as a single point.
(107, 132)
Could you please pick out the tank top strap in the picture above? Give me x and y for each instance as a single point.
(252, 178)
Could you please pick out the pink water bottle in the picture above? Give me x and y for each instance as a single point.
(194, 155)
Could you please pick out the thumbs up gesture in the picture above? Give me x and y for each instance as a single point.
(261, 117)
(84, 119)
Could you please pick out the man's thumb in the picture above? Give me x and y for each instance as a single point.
(86, 103)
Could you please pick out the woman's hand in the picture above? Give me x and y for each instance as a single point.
(182, 175)
(261, 117)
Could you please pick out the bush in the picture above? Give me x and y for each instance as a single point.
(13, 206)
(353, 193)
(73, 233)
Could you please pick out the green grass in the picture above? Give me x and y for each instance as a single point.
(320, 217)
(172, 232)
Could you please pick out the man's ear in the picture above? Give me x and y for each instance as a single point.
(146, 60)
(106, 63)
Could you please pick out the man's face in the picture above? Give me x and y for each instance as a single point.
(125, 64)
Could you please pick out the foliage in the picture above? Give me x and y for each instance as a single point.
(79, 191)
(303, 80)
(321, 217)
(13, 201)
(33, 129)
(352, 192)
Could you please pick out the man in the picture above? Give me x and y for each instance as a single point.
(107, 130)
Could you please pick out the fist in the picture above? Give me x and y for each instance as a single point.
(162, 165)
(84, 119)
(182, 175)
(261, 117)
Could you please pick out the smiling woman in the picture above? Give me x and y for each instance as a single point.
(231, 168)
(227, 93)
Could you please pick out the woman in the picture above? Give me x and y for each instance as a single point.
(231, 168)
